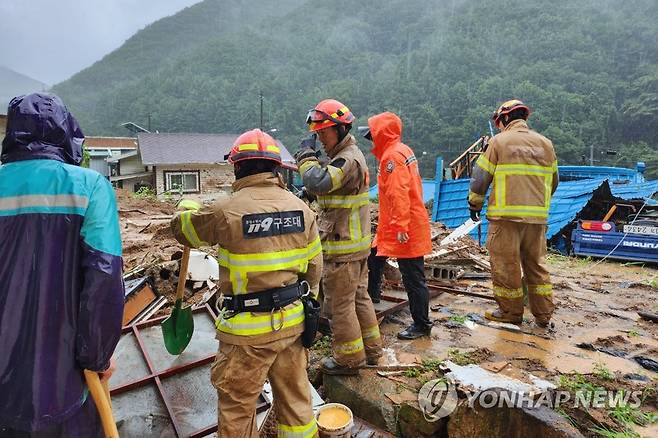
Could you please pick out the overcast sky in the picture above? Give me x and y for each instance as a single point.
(50, 40)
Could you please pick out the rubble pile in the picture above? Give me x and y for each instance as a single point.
(460, 258)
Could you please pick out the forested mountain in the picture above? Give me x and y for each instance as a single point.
(589, 69)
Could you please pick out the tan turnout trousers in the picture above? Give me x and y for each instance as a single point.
(517, 250)
(239, 372)
(353, 321)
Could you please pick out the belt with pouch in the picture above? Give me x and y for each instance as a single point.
(267, 300)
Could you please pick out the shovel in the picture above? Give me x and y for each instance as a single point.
(177, 329)
(101, 395)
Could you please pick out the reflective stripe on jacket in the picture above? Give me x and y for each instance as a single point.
(342, 193)
(401, 207)
(523, 168)
(268, 238)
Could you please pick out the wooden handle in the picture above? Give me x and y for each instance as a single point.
(101, 395)
(182, 273)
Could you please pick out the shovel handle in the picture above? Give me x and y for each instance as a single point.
(101, 395)
(182, 273)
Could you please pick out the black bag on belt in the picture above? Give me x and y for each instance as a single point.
(311, 318)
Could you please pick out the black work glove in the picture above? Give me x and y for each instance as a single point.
(309, 142)
(307, 149)
(475, 215)
(305, 153)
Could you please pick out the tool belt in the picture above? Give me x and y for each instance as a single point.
(264, 301)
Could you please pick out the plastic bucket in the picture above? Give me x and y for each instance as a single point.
(334, 420)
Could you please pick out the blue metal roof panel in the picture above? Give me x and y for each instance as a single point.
(635, 190)
(598, 172)
(569, 199)
(428, 190)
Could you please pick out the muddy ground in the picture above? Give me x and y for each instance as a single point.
(596, 340)
(594, 343)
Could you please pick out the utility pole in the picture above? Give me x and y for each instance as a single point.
(591, 154)
(260, 95)
(149, 122)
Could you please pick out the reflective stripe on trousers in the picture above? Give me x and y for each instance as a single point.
(305, 431)
(370, 333)
(351, 347)
(545, 290)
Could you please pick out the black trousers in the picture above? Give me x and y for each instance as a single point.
(413, 278)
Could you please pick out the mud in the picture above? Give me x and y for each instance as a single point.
(597, 305)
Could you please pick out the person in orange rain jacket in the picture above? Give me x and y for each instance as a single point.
(404, 229)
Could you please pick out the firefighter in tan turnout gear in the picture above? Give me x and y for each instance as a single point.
(523, 168)
(341, 187)
(268, 243)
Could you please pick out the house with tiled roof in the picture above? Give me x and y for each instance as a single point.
(179, 162)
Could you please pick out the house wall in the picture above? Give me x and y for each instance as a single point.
(131, 165)
(99, 164)
(134, 184)
(213, 178)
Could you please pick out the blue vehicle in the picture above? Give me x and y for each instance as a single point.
(635, 242)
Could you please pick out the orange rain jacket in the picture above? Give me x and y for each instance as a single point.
(401, 207)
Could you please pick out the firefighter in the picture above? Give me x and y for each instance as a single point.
(403, 231)
(522, 166)
(341, 187)
(269, 255)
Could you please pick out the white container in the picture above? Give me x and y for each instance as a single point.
(343, 430)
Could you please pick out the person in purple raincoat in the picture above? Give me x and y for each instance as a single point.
(61, 288)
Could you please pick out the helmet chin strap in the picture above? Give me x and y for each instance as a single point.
(343, 130)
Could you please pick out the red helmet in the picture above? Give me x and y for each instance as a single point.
(328, 113)
(254, 145)
(508, 107)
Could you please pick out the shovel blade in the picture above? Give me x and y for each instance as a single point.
(177, 329)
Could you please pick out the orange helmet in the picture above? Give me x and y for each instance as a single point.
(508, 107)
(254, 145)
(328, 113)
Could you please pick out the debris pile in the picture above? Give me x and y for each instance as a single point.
(151, 252)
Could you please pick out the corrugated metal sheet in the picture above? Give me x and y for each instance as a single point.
(569, 199)
(601, 172)
(428, 190)
(635, 191)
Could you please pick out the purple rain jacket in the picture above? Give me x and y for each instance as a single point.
(61, 288)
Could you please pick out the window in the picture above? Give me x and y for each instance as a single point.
(188, 181)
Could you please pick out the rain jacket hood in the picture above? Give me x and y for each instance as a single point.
(39, 126)
(386, 131)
